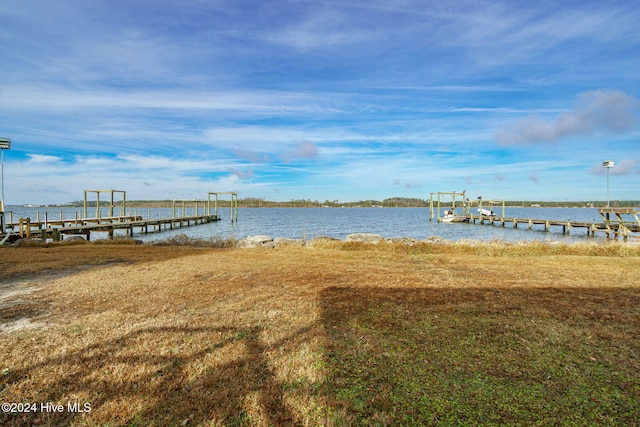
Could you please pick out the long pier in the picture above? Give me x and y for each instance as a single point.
(613, 225)
(616, 222)
(56, 229)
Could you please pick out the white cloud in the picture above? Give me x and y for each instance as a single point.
(602, 110)
(44, 97)
(56, 179)
(43, 159)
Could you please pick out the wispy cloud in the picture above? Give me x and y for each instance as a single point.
(43, 159)
(328, 28)
(407, 184)
(158, 177)
(251, 155)
(242, 174)
(303, 150)
(606, 110)
(318, 99)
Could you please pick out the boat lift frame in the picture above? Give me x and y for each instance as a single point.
(489, 204)
(233, 203)
(435, 213)
(111, 204)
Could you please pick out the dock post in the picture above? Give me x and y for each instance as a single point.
(431, 208)
(234, 211)
(530, 224)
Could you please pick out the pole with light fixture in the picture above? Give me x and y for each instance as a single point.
(5, 144)
(607, 164)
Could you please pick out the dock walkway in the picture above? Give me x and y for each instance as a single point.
(613, 225)
(616, 222)
(57, 229)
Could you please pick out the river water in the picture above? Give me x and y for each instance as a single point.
(339, 222)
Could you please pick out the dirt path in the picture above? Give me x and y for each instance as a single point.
(19, 308)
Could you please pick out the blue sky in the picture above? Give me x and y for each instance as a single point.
(321, 100)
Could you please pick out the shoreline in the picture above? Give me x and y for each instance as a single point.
(376, 239)
(263, 240)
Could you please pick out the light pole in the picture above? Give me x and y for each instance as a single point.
(608, 164)
(5, 144)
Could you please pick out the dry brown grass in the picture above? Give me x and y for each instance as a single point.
(198, 336)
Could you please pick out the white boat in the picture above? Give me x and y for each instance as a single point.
(450, 216)
(486, 212)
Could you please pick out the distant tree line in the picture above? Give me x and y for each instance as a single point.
(393, 202)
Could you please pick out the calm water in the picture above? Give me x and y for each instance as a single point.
(339, 222)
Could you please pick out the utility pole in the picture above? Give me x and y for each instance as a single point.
(608, 164)
(5, 144)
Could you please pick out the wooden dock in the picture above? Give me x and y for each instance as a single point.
(46, 228)
(56, 230)
(614, 223)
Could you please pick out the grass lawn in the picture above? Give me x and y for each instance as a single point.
(328, 334)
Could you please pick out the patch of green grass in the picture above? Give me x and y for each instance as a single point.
(412, 358)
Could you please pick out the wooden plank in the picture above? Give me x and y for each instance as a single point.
(624, 211)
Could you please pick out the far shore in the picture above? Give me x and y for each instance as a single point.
(387, 203)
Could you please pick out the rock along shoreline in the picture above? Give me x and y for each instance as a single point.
(366, 238)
